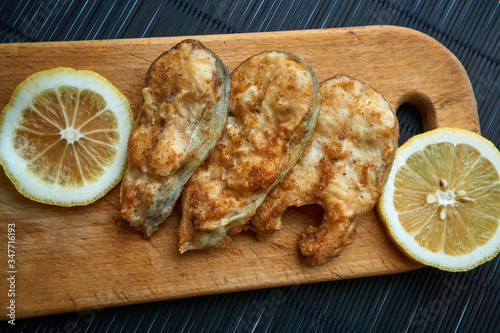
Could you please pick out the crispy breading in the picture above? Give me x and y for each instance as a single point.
(272, 111)
(343, 168)
(184, 110)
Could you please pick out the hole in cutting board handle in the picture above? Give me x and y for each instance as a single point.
(410, 122)
(416, 114)
(421, 105)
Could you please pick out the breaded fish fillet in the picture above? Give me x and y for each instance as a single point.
(184, 110)
(272, 111)
(343, 168)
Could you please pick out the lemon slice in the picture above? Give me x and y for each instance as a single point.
(441, 201)
(63, 136)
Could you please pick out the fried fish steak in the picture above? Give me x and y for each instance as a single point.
(184, 110)
(273, 109)
(343, 168)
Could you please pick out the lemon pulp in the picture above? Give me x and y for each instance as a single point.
(449, 207)
(67, 136)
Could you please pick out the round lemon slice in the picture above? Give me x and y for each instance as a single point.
(441, 201)
(63, 136)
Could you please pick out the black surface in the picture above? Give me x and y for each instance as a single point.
(425, 300)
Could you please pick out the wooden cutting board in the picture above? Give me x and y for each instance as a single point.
(70, 259)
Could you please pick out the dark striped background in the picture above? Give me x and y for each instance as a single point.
(425, 300)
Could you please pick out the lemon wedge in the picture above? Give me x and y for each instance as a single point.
(441, 201)
(63, 136)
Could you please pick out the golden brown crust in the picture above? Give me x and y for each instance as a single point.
(182, 116)
(272, 109)
(343, 168)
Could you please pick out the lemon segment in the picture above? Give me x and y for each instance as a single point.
(63, 136)
(441, 201)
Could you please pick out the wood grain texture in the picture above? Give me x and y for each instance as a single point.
(74, 259)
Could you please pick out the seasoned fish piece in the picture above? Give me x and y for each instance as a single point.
(184, 110)
(343, 168)
(272, 111)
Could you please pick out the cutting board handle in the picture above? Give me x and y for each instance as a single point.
(432, 79)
